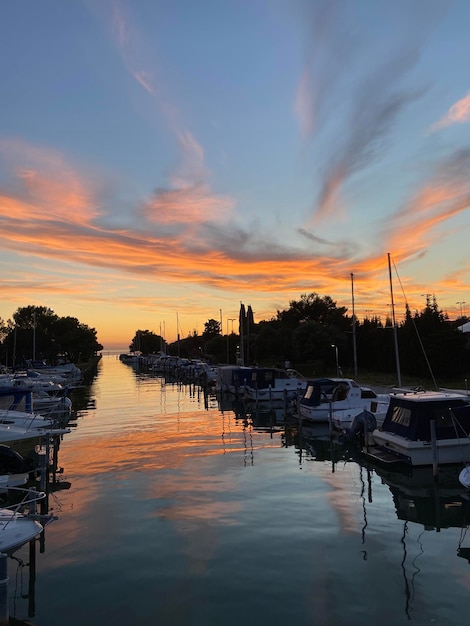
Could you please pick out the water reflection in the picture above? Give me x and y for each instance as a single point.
(420, 498)
(182, 507)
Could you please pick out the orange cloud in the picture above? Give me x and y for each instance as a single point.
(457, 114)
(188, 205)
(188, 235)
(50, 189)
(443, 198)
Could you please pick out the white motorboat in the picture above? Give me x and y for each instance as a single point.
(343, 419)
(16, 530)
(46, 404)
(232, 378)
(17, 527)
(424, 428)
(10, 434)
(24, 419)
(326, 397)
(272, 384)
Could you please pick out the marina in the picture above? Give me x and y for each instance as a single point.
(173, 505)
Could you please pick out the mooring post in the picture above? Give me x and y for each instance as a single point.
(4, 610)
(366, 432)
(43, 468)
(435, 463)
(330, 420)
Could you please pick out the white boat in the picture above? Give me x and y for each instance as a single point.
(10, 434)
(24, 419)
(325, 397)
(17, 528)
(16, 408)
(424, 428)
(272, 384)
(46, 404)
(343, 419)
(34, 384)
(231, 378)
(17, 424)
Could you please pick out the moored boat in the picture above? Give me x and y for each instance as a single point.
(272, 384)
(424, 428)
(325, 397)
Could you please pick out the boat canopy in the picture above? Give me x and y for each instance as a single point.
(411, 417)
(263, 377)
(16, 399)
(319, 390)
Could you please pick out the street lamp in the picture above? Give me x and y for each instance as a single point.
(337, 359)
(34, 335)
(461, 308)
(229, 319)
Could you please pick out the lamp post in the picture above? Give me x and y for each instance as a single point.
(229, 319)
(34, 335)
(337, 359)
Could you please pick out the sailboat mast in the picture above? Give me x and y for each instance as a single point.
(395, 336)
(178, 333)
(353, 327)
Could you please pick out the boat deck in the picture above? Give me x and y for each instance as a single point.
(382, 456)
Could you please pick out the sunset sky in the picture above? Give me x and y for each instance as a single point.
(169, 159)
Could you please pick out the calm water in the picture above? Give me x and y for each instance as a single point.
(181, 513)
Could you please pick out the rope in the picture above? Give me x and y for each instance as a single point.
(416, 330)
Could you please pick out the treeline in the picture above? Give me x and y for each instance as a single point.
(37, 333)
(315, 331)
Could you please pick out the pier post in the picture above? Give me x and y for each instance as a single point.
(4, 609)
(44, 465)
(435, 463)
(330, 420)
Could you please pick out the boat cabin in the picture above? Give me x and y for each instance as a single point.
(325, 390)
(410, 416)
(231, 378)
(16, 399)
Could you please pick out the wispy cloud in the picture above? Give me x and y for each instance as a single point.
(188, 206)
(413, 228)
(188, 200)
(359, 88)
(47, 188)
(458, 113)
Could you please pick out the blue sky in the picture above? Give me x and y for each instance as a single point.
(162, 158)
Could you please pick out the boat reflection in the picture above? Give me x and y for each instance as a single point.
(317, 442)
(261, 415)
(435, 503)
(420, 498)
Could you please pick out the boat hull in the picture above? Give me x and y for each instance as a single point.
(17, 531)
(420, 453)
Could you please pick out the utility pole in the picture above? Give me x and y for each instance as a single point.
(395, 336)
(353, 327)
(34, 335)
